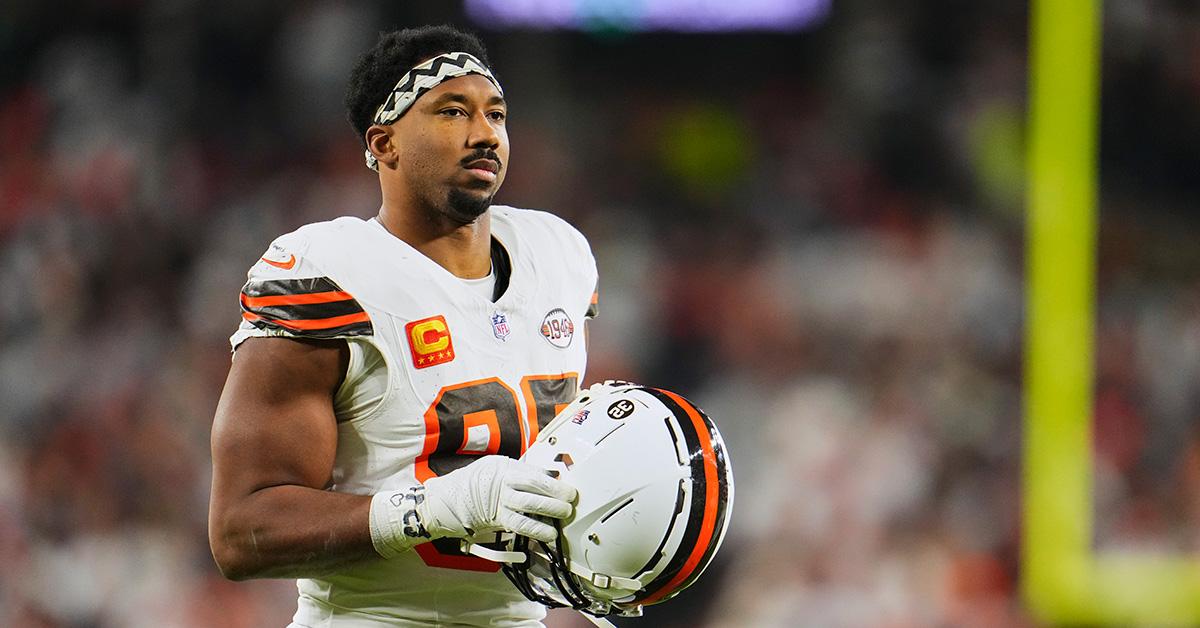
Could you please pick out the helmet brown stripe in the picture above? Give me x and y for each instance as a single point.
(707, 517)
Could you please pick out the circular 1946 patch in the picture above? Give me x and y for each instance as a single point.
(557, 328)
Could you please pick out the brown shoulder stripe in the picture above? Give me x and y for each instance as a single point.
(594, 304)
(312, 307)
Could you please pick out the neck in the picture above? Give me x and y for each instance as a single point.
(464, 250)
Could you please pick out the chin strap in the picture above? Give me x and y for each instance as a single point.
(509, 558)
(487, 553)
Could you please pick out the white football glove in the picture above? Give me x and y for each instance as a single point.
(491, 494)
(495, 493)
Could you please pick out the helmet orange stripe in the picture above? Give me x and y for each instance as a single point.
(709, 520)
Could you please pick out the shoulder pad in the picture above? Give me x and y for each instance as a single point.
(286, 291)
(313, 307)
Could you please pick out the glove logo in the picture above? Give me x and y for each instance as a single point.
(430, 342)
(413, 526)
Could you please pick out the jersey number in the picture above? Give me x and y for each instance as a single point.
(479, 418)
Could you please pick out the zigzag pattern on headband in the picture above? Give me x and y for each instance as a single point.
(423, 78)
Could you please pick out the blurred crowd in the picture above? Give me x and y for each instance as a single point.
(816, 236)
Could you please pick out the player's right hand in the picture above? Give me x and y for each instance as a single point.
(495, 493)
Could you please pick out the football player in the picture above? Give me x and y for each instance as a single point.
(388, 372)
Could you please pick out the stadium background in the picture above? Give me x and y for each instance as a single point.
(816, 234)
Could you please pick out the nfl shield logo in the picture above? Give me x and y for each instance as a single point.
(500, 325)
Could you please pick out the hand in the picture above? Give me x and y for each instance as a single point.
(495, 493)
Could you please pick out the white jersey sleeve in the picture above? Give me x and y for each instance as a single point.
(583, 250)
(288, 295)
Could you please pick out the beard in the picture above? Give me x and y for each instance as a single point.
(465, 208)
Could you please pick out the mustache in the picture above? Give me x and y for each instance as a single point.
(482, 153)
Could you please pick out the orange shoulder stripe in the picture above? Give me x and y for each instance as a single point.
(311, 324)
(295, 299)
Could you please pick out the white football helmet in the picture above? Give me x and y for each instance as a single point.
(655, 492)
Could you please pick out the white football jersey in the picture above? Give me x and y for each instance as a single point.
(462, 377)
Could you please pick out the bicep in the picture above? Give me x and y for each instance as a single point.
(274, 424)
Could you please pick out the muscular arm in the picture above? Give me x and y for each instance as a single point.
(273, 444)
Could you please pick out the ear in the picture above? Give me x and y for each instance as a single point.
(379, 142)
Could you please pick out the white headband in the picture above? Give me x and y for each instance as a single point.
(423, 78)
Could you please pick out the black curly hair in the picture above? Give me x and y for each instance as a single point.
(378, 70)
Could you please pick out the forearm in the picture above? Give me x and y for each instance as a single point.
(291, 531)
